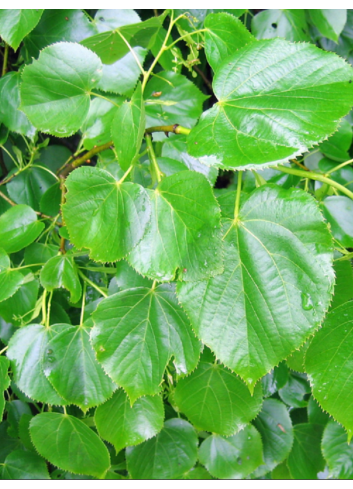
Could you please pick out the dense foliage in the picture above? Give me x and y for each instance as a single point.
(176, 236)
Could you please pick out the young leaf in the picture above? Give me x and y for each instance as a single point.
(19, 228)
(4, 382)
(292, 100)
(337, 452)
(338, 210)
(305, 460)
(68, 443)
(21, 465)
(128, 128)
(214, 399)
(55, 90)
(234, 457)
(15, 24)
(166, 456)
(329, 365)
(123, 425)
(96, 201)
(275, 428)
(183, 234)
(287, 23)
(276, 286)
(225, 34)
(136, 333)
(26, 350)
(61, 271)
(330, 22)
(70, 366)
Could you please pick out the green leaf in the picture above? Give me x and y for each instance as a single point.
(276, 100)
(55, 90)
(296, 360)
(19, 228)
(183, 233)
(329, 365)
(305, 460)
(4, 260)
(194, 18)
(70, 25)
(111, 46)
(276, 286)
(197, 473)
(96, 201)
(10, 282)
(29, 186)
(51, 200)
(274, 380)
(127, 278)
(344, 283)
(214, 399)
(281, 472)
(275, 428)
(167, 456)
(180, 101)
(136, 333)
(26, 350)
(315, 414)
(61, 271)
(70, 366)
(15, 410)
(338, 211)
(15, 24)
(4, 382)
(337, 452)
(68, 443)
(8, 444)
(234, 457)
(287, 23)
(337, 146)
(39, 253)
(330, 22)
(20, 465)
(123, 425)
(225, 34)
(128, 128)
(295, 392)
(343, 176)
(54, 156)
(18, 308)
(13, 118)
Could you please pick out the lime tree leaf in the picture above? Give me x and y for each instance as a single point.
(123, 425)
(51, 200)
(39, 253)
(183, 233)
(96, 201)
(330, 22)
(338, 210)
(4, 260)
(344, 283)
(197, 473)
(70, 366)
(276, 286)
(315, 414)
(68, 443)
(294, 393)
(275, 379)
(287, 23)
(225, 34)
(337, 146)
(111, 46)
(55, 90)
(136, 333)
(305, 460)
(13, 118)
(329, 365)
(26, 349)
(18, 308)
(29, 186)
(96, 129)
(127, 278)
(296, 360)
(70, 25)
(128, 128)
(109, 19)
(281, 472)
(20, 465)
(4, 382)
(180, 101)
(275, 428)
(19, 228)
(343, 175)
(214, 399)
(10, 282)
(61, 271)
(337, 452)
(15, 24)
(194, 18)
(234, 457)
(54, 156)
(166, 456)
(276, 100)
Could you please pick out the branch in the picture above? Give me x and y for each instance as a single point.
(84, 159)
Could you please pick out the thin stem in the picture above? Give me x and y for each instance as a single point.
(175, 128)
(237, 200)
(338, 167)
(27, 266)
(44, 309)
(183, 37)
(126, 174)
(104, 98)
(300, 165)
(83, 303)
(48, 309)
(10, 156)
(47, 170)
(131, 51)
(153, 160)
(92, 284)
(4, 63)
(315, 176)
(204, 77)
(84, 159)
(64, 408)
(4, 349)
(5, 197)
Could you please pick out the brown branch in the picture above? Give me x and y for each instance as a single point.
(84, 159)
(204, 77)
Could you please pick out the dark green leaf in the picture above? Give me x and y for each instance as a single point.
(18, 308)
(294, 393)
(20, 465)
(275, 379)
(15, 24)
(315, 414)
(38, 253)
(344, 283)
(61, 271)
(51, 200)
(19, 228)
(305, 460)
(4, 382)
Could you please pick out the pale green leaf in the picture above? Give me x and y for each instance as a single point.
(305, 460)
(215, 399)
(19, 228)
(61, 271)
(15, 24)
(10, 282)
(330, 22)
(136, 333)
(68, 443)
(123, 425)
(287, 23)
(276, 286)
(337, 452)
(276, 100)
(21, 465)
